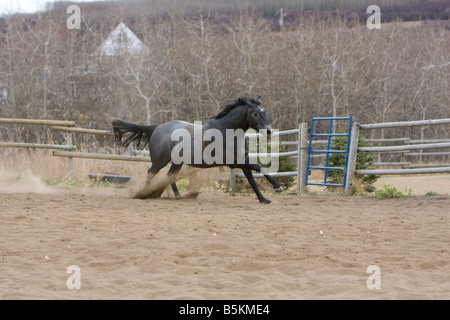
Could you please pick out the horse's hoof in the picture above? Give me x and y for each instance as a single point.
(265, 201)
(278, 190)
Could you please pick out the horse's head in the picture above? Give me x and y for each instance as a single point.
(257, 117)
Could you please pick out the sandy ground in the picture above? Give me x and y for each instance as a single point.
(223, 246)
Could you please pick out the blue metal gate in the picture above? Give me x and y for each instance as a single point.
(329, 135)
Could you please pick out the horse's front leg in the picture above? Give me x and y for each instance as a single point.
(276, 186)
(248, 174)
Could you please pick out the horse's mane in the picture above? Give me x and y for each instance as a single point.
(236, 103)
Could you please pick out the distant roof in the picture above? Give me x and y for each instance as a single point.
(121, 41)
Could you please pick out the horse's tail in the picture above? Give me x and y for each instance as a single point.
(138, 133)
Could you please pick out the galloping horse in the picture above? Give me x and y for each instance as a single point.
(243, 113)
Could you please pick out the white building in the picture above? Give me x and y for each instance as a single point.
(121, 41)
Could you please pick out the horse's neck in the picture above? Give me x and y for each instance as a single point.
(235, 119)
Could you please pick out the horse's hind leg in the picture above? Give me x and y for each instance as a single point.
(151, 173)
(174, 169)
(150, 191)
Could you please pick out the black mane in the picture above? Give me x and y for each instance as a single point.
(236, 103)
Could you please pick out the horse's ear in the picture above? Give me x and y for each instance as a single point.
(259, 99)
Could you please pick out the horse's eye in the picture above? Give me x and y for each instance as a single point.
(255, 114)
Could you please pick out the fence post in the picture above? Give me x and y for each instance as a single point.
(233, 179)
(351, 165)
(403, 156)
(302, 158)
(69, 142)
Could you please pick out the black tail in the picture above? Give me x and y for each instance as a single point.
(140, 134)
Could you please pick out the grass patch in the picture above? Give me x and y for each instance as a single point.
(390, 192)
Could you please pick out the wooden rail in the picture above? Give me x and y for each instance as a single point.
(88, 155)
(273, 174)
(36, 145)
(404, 124)
(404, 171)
(405, 148)
(38, 122)
(82, 130)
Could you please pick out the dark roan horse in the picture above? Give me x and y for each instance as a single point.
(243, 113)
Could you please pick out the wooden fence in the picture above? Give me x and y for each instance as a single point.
(89, 155)
(432, 144)
(406, 156)
(67, 150)
(69, 129)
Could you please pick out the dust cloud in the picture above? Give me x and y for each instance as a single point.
(161, 182)
(25, 182)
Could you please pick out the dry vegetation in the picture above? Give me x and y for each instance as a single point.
(321, 65)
